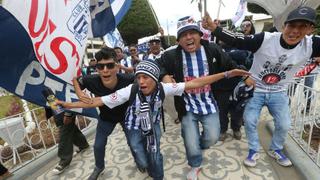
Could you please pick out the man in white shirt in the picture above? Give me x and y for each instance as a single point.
(277, 57)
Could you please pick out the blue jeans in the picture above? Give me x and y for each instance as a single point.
(194, 141)
(278, 106)
(104, 129)
(152, 161)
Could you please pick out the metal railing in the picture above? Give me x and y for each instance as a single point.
(305, 113)
(21, 147)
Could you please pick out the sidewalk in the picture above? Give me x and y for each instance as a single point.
(222, 161)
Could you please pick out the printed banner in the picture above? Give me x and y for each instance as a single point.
(43, 42)
(21, 72)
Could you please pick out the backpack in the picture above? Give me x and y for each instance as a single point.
(134, 91)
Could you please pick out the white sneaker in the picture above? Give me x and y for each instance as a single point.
(193, 173)
(59, 169)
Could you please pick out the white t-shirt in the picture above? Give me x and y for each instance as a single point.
(274, 67)
(122, 95)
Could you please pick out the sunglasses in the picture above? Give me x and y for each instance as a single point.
(101, 66)
(244, 25)
(132, 50)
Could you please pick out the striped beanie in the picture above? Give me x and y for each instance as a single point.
(150, 68)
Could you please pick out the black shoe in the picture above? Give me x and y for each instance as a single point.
(96, 173)
(80, 150)
(59, 169)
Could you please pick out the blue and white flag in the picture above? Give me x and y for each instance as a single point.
(113, 39)
(107, 14)
(240, 14)
(42, 43)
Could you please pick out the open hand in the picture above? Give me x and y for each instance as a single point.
(238, 72)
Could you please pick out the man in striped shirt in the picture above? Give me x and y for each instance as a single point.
(144, 111)
(194, 58)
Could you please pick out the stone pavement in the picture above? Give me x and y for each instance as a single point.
(222, 161)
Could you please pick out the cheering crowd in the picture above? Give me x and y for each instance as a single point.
(238, 75)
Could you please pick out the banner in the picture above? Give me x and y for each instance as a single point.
(240, 14)
(21, 73)
(42, 43)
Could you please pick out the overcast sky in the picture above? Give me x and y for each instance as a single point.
(169, 11)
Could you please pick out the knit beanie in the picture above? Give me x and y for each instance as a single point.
(185, 24)
(150, 68)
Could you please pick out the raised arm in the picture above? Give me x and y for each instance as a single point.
(239, 40)
(202, 81)
(96, 102)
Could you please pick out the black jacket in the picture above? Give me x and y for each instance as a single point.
(171, 64)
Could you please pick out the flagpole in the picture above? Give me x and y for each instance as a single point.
(205, 6)
(168, 32)
(219, 7)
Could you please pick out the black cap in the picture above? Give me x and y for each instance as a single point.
(302, 13)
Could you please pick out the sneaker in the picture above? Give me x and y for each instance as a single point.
(252, 158)
(237, 135)
(59, 169)
(280, 157)
(193, 173)
(223, 136)
(96, 173)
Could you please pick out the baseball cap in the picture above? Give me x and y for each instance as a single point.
(154, 39)
(302, 13)
(185, 24)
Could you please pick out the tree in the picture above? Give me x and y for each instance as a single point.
(138, 22)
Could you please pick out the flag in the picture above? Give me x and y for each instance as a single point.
(113, 39)
(107, 14)
(306, 70)
(42, 43)
(240, 14)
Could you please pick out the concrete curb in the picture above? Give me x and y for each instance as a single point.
(302, 162)
(31, 168)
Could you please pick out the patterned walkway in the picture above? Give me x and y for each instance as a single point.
(222, 161)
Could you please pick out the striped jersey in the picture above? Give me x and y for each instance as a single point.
(121, 96)
(199, 100)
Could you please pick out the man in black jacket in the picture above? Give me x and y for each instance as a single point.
(194, 58)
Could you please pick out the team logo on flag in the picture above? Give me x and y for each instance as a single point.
(77, 22)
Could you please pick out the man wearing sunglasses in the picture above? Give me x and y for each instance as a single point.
(156, 46)
(106, 82)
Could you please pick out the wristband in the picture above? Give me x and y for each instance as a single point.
(245, 78)
(226, 74)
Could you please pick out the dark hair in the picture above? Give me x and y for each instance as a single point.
(118, 48)
(252, 30)
(133, 45)
(105, 53)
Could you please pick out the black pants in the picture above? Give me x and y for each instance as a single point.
(225, 107)
(70, 135)
(3, 170)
